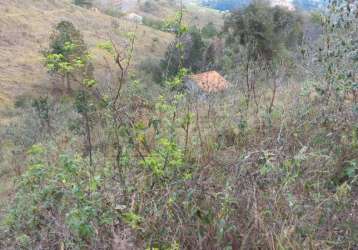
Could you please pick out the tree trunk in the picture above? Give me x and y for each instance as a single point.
(248, 97)
(88, 135)
(273, 97)
(67, 82)
(187, 125)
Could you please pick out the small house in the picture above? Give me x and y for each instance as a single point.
(133, 17)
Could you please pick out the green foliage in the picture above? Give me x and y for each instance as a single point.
(338, 51)
(42, 107)
(155, 23)
(58, 63)
(132, 219)
(83, 3)
(66, 40)
(89, 83)
(107, 46)
(165, 160)
(209, 30)
(67, 55)
(175, 24)
(151, 66)
(63, 190)
(149, 6)
(114, 12)
(186, 52)
(177, 82)
(264, 31)
(82, 102)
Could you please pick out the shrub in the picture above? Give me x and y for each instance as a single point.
(57, 197)
(83, 3)
(154, 23)
(209, 30)
(152, 67)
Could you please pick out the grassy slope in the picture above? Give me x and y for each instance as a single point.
(194, 14)
(25, 29)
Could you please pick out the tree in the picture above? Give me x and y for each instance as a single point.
(264, 31)
(209, 30)
(43, 108)
(86, 109)
(192, 47)
(67, 55)
(260, 36)
(209, 56)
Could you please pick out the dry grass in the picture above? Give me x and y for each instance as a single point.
(194, 14)
(6, 185)
(25, 29)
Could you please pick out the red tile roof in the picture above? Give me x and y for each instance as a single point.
(210, 81)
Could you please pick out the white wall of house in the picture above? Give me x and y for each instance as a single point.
(134, 18)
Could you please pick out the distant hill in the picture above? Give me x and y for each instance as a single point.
(309, 4)
(224, 5)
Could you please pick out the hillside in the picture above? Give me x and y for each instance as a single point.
(234, 136)
(25, 30)
(194, 13)
(26, 25)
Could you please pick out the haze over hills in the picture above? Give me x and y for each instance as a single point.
(291, 4)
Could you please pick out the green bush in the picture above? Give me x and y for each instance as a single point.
(154, 23)
(63, 194)
(83, 3)
(209, 30)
